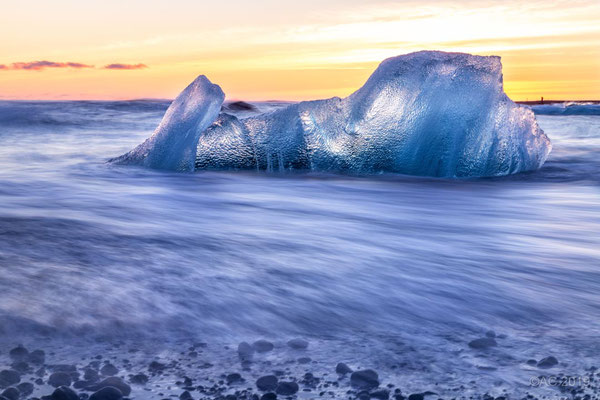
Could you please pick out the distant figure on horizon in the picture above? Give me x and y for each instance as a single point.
(542, 101)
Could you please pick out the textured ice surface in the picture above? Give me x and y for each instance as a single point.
(173, 144)
(426, 113)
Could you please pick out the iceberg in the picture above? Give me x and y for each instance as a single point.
(428, 113)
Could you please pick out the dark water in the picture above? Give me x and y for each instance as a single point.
(360, 265)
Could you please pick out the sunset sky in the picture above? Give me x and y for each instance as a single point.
(276, 49)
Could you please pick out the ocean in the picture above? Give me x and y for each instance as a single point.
(388, 272)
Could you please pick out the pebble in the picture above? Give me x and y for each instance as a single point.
(343, 369)
(11, 393)
(547, 362)
(483, 343)
(109, 370)
(82, 384)
(232, 378)
(267, 383)
(304, 360)
(185, 396)
(416, 396)
(139, 379)
(59, 379)
(287, 388)
(245, 351)
(381, 394)
(25, 388)
(90, 374)
(490, 334)
(107, 393)
(298, 344)
(20, 366)
(37, 357)
(62, 393)
(262, 346)
(113, 381)
(155, 366)
(365, 379)
(268, 396)
(19, 353)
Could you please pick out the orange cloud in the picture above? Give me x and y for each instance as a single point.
(39, 65)
(125, 66)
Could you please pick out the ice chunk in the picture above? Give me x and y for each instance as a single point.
(173, 144)
(427, 113)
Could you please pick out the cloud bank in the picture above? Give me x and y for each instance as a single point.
(41, 65)
(125, 66)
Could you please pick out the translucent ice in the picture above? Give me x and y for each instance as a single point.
(426, 113)
(173, 144)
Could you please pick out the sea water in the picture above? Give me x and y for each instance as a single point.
(389, 272)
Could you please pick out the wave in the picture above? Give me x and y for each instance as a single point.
(31, 114)
(567, 108)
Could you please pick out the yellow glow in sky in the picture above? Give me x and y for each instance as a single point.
(123, 49)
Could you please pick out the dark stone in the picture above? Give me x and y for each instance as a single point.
(64, 393)
(232, 378)
(139, 379)
(83, 384)
(155, 366)
(241, 106)
(343, 369)
(109, 370)
(365, 379)
(107, 393)
(25, 388)
(59, 379)
(37, 357)
(90, 374)
(298, 344)
(19, 353)
(547, 362)
(531, 362)
(268, 396)
(363, 395)
(245, 351)
(185, 396)
(267, 383)
(262, 346)
(113, 381)
(20, 366)
(287, 388)
(304, 360)
(41, 372)
(11, 393)
(416, 396)
(490, 334)
(483, 343)
(381, 394)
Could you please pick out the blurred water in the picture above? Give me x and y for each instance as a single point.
(87, 248)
